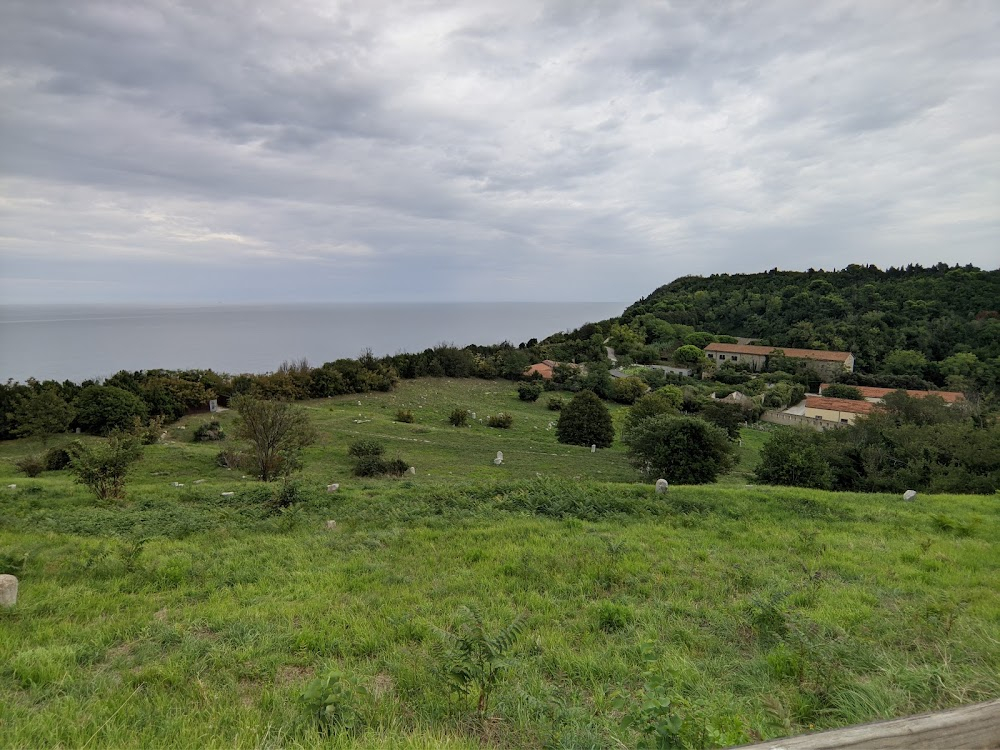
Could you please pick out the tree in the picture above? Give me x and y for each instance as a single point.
(689, 355)
(905, 362)
(276, 431)
(683, 450)
(41, 414)
(105, 467)
(101, 409)
(628, 390)
(529, 391)
(839, 390)
(585, 420)
(653, 404)
(791, 457)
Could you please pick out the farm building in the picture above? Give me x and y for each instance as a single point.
(756, 357)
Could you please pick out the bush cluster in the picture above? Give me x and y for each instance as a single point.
(209, 431)
(370, 460)
(529, 391)
(405, 416)
(502, 420)
(459, 418)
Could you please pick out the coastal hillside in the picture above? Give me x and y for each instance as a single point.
(948, 318)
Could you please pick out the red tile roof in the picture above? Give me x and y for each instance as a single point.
(789, 352)
(542, 369)
(839, 404)
(949, 397)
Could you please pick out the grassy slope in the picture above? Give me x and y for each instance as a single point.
(772, 610)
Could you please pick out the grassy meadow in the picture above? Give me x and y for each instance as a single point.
(185, 618)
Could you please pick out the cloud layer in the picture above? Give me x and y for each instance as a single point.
(245, 150)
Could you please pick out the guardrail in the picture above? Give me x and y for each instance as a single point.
(975, 727)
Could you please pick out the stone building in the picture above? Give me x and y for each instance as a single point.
(756, 357)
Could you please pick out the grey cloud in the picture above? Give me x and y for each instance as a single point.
(571, 149)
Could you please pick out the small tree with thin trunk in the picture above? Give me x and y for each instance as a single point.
(105, 467)
(276, 432)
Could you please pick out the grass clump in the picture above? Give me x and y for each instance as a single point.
(31, 466)
(459, 418)
(405, 416)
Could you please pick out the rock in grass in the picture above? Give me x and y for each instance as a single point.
(331, 525)
(332, 487)
(661, 486)
(909, 495)
(8, 590)
(228, 494)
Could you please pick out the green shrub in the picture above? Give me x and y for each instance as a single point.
(529, 391)
(793, 457)
(585, 420)
(376, 466)
(56, 459)
(104, 468)
(31, 466)
(555, 403)
(475, 661)
(501, 420)
(101, 409)
(209, 431)
(628, 390)
(331, 702)
(840, 390)
(682, 450)
(396, 467)
(459, 418)
(405, 416)
(287, 494)
(363, 448)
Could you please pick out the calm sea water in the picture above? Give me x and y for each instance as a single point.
(91, 341)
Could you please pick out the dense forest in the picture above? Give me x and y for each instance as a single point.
(939, 324)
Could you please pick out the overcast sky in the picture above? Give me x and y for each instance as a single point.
(253, 150)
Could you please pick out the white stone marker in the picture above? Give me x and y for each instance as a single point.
(8, 590)
(413, 470)
(499, 459)
(909, 495)
(593, 448)
(661, 486)
(228, 494)
(332, 487)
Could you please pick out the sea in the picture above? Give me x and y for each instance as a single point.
(82, 342)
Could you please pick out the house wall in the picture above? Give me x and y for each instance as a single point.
(830, 415)
(755, 361)
(796, 420)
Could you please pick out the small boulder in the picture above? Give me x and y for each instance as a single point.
(332, 487)
(661, 486)
(331, 525)
(228, 494)
(909, 495)
(413, 469)
(8, 590)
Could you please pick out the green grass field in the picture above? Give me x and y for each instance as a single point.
(182, 618)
